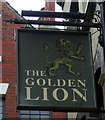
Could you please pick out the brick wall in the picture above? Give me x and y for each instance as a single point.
(9, 63)
(0, 41)
(9, 59)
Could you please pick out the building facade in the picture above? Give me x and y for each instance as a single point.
(8, 69)
(9, 59)
(8, 108)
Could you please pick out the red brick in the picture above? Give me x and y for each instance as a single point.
(9, 63)
(9, 60)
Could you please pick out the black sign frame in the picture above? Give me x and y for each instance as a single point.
(75, 81)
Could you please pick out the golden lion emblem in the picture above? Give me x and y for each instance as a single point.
(66, 56)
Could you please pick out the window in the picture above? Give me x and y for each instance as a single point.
(40, 115)
(1, 108)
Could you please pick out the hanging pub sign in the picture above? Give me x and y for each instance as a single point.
(54, 70)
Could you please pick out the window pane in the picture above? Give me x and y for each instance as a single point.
(1, 109)
(24, 112)
(45, 112)
(34, 116)
(24, 116)
(0, 103)
(39, 115)
(43, 116)
(0, 116)
(34, 112)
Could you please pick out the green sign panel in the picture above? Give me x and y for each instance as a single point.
(54, 70)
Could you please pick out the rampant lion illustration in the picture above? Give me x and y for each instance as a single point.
(66, 56)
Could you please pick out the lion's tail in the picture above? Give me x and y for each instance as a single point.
(48, 55)
(49, 62)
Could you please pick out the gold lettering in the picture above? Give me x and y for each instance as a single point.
(82, 82)
(71, 83)
(41, 82)
(55, 94)
(38, 73)
(35, 72)
(45, 94)
(75, 91)
(61, 82)
(29, 81)
(50, 83)
(27, 72)
(28, 94)
(42, 73)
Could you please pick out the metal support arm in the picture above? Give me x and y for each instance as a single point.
(52, 14)
(65, 23)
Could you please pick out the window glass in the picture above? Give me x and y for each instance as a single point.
(40, 115)
(1, 108)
